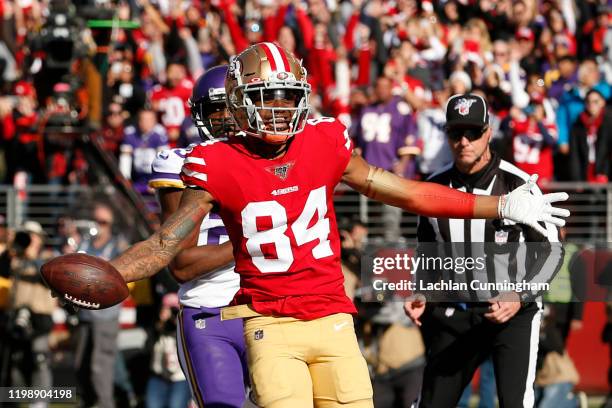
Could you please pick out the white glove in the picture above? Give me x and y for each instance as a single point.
(526, 205)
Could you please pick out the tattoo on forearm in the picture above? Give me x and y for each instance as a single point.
(146, 258)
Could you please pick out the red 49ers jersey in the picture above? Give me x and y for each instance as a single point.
(280, 217)
(172, 104)
(529, 149)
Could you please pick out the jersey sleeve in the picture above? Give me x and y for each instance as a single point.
(196, 172)
(336, 134)
(166, 169)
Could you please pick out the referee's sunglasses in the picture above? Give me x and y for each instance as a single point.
(471, 134)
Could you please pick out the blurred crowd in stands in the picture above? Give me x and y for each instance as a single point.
(124, 69)
(122, 72)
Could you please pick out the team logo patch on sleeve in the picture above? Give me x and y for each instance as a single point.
(259, 334)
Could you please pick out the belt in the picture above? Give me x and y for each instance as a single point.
(474, 307)
(238, 312)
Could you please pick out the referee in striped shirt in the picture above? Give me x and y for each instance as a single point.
(460, 336)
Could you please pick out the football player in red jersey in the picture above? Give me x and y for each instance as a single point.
(273, 188)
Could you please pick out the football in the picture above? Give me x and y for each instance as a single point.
(85, 281)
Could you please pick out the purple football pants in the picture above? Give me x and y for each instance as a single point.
(213, 357)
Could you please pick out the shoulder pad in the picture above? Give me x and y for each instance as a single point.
(166, 169)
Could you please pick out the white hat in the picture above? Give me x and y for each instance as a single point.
(463, 77)
(33, 227)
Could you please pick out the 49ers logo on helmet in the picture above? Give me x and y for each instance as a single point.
(235, 68)
(463, 106)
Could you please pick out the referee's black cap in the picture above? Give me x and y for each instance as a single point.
(467, 110)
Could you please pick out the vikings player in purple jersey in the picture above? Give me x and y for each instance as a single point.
(212, 353)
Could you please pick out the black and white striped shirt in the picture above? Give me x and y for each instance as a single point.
(513, 259)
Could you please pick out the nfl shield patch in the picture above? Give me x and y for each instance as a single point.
(463, 106)
(501, 237)
(281, 171)
(258, 334)
(200, 324)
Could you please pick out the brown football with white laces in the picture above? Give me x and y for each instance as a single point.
(85, 281)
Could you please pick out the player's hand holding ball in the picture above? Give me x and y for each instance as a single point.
(85, 281)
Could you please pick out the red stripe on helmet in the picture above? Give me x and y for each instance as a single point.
(284, 57)
(269, 55)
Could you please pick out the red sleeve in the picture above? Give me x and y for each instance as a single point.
(599, 40)
(272, 24)
(365, 56)
(323, 75)
(336, 134)
(238, 37)
(435, 200)
(8, 127)
(196, 171)
(588, 27)
(350, 32)
(306, 28)
(180, 22)
(322, 59)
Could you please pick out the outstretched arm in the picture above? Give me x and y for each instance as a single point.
(434, 200)
(428, 199)
(194, 260)
(147, 257)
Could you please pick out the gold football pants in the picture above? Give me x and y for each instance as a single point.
(303, 364)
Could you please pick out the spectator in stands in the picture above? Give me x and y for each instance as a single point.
(532, 139)
(30, 309)
(571, 103)
(430, 130)
(138, 148)
(353, 236)
(501, 64)
(167, 386)
(386, 135)
(113, 128)
(122, 83)
(529, 55)
(591, 141)
(562, 76)
(170, 100)
(97, 330)
(558, 25)
(460, 83)
(22, 135)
